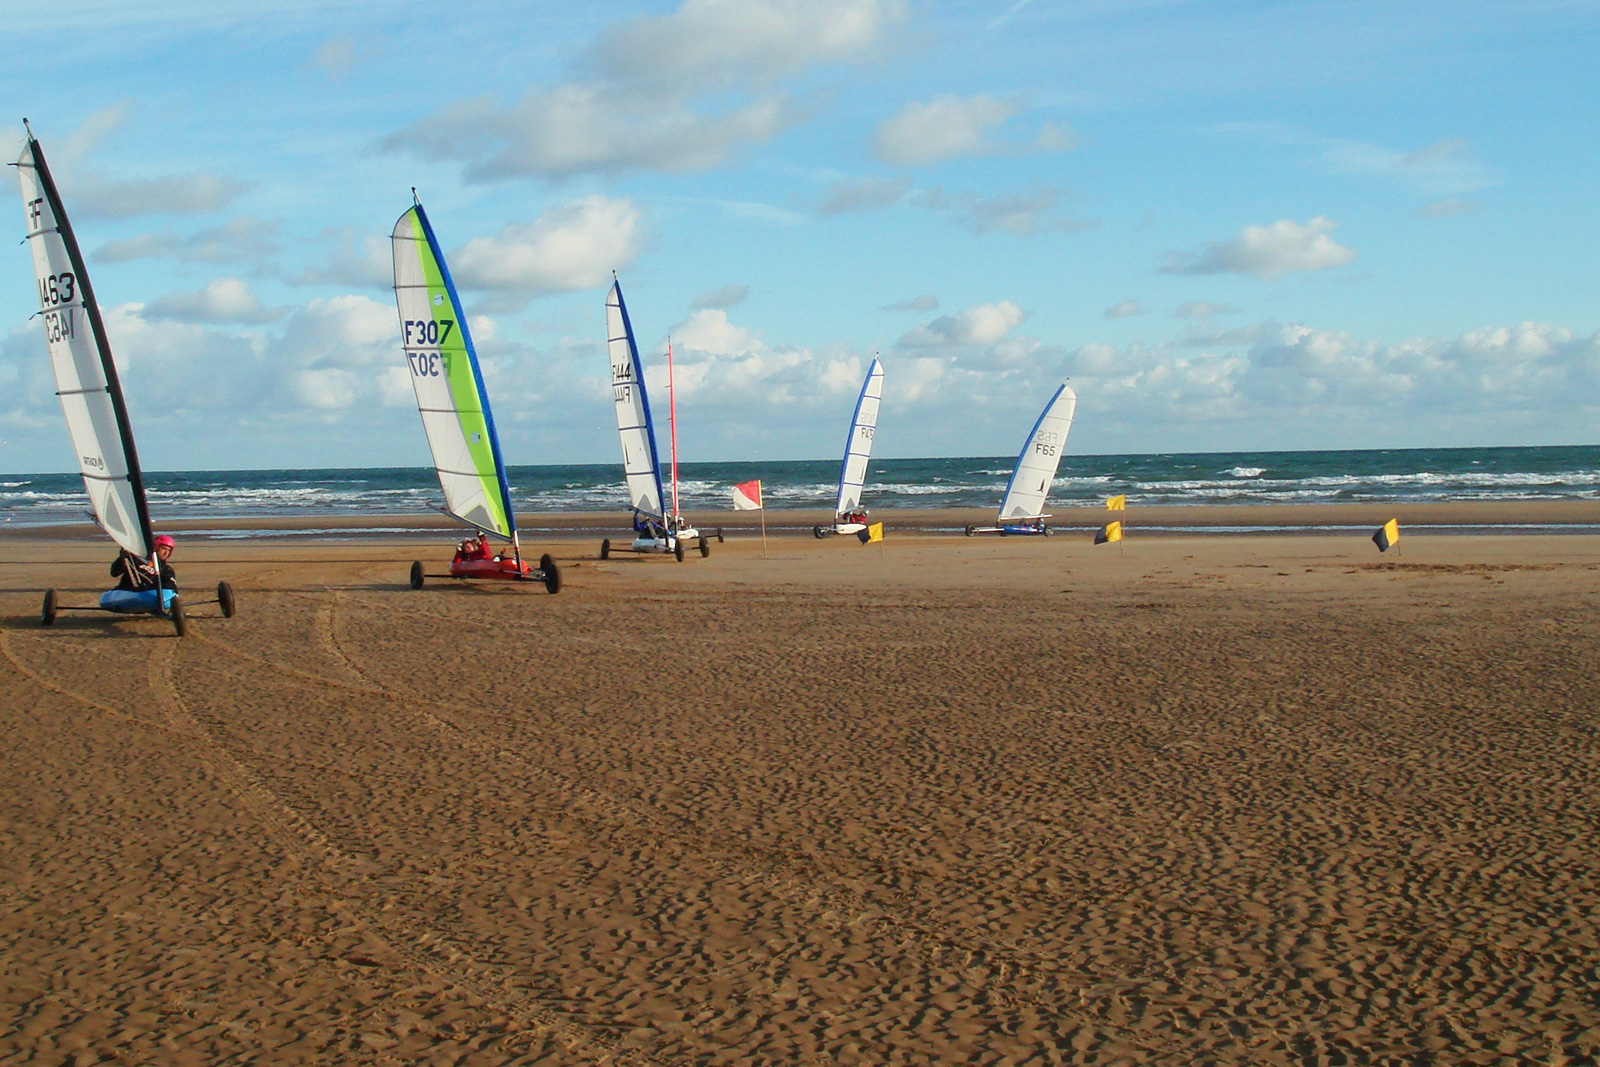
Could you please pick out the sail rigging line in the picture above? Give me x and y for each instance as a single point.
(33, 159)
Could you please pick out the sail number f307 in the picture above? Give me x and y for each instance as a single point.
(427, 331)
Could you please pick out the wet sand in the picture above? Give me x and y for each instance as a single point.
(1209, 799)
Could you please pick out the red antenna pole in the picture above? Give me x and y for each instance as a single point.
(672, 422)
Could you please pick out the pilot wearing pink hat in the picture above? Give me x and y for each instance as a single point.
(134, 573)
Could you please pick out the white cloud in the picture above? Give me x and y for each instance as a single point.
(340, 54)
(1023, 213)
(1444, 168)
(1201, 309)
(1329, 384)
(726, 297)
(222, 300)
(359, 259)
(575, 246)
(1445, 208)
(945, 127)
(1267, 252)
(714, 43)
(243, 239)
(982, 324)
(677, 92)
(865, 194)
(950, 127)
(1124, 310)
(583, 129)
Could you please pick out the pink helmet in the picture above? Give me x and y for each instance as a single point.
(164, 540)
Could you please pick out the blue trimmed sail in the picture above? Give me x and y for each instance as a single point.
(448, 381)
(858, 446)
(1039, 458)
(641, 466)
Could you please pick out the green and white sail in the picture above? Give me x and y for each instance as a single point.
(1040, 457)
(86, 374)
(448, 381)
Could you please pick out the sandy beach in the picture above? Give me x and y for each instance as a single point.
(1268, 799)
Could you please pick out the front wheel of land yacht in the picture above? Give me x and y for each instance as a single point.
(416, 574)
(225, 599)
(180, 621)
(816, 531)
(677, 549)
(605, 549)
(971, 530)
(1046, 530)
(552, 573)
(47, 614)
(705, 547)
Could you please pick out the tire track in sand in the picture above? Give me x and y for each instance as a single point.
(937, 941)
(425, 950)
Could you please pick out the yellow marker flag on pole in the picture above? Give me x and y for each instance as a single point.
(1388, 535)
(1117, 503)
(1111, 531)
(871, 534)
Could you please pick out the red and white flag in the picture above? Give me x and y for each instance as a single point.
(747, 497)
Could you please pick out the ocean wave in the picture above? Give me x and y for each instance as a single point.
(1247, 472)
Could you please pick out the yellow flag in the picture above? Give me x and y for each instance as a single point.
(1117, 503)
(1388, 535)
(1111, 531)
(871, 533)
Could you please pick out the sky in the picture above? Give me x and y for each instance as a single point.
(1231, 225)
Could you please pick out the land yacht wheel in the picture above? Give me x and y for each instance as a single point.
(605, 549)
(677, 549)
(1046, 530)
(971, 530)
(552, 573)
(705, 547)
(719, 535)
(180, 621)
(47, 614)
(225, 599)
(816, 531)
(416, 574)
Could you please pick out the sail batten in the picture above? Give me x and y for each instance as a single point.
(451, 397)
(858, 446)
(641, 465)
(80, 356)
(1039, 459)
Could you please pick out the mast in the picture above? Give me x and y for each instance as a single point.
(76, 392)
(672, 425)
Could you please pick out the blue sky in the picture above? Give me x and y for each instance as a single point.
(1233, 225)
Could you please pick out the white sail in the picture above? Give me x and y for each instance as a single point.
(448, 382)
(641, 467)
(858, 446)
(1040, 456)
(86, 375)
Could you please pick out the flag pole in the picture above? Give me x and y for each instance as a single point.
(763, 524)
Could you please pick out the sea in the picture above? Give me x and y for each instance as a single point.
(1375, 476)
